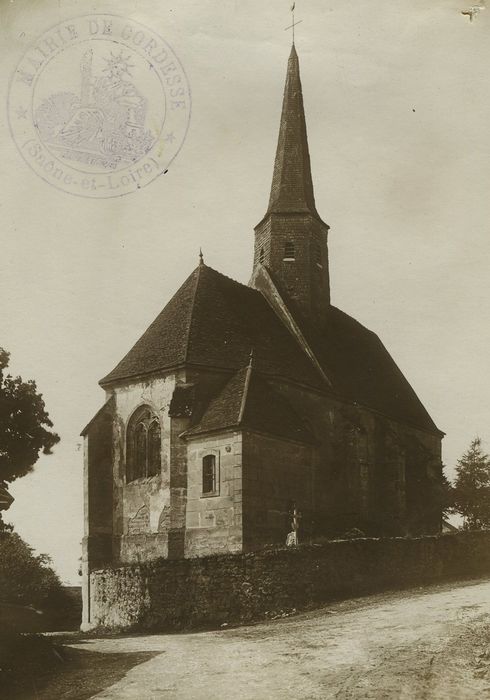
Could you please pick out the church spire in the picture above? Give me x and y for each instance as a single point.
(291, 239)
(292, 186)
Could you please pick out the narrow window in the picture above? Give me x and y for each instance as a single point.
(261, 256)
(209, 474)
(289, 251)
(143, 445)
(317, 254)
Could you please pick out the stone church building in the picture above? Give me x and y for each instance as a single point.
(240, 401)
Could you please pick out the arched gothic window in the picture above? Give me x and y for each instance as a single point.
(143, 444)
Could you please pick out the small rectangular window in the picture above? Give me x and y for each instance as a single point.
(209, 476)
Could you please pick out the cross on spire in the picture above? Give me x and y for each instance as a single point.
(292, 26)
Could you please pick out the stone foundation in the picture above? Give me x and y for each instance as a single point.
(233, 588)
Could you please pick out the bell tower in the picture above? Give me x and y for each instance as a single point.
(291, 239)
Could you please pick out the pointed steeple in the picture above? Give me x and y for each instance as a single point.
(292, 186)
(291, 240)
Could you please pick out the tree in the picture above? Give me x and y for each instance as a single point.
(446, 494)
(25, 578)
(471, 492)
(24, 425)
(28, 580)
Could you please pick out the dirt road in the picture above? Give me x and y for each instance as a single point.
(422, 644)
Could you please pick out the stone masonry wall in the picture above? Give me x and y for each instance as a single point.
(142, 507)
(244, 587)
(214, 522)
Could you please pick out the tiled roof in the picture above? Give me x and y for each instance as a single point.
(363, 371)
(292, 186)
(248, 401)
(106, 409)
(214, 321)
(164, 343)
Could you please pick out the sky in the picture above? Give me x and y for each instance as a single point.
(398, 115)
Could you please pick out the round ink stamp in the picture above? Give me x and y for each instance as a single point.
(99, 106)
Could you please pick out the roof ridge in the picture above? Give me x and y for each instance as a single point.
(336, 309)
(191, 313)
(280, 308)
(246, 387)
(109, 403)
(227, 277)
(225, 416)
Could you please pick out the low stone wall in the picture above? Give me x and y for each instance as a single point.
(243, 587)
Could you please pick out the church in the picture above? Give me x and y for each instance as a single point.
(240, 404)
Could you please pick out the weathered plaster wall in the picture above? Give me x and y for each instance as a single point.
(244, 587)
(214, 523)
(364, 471)
(142, 507)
